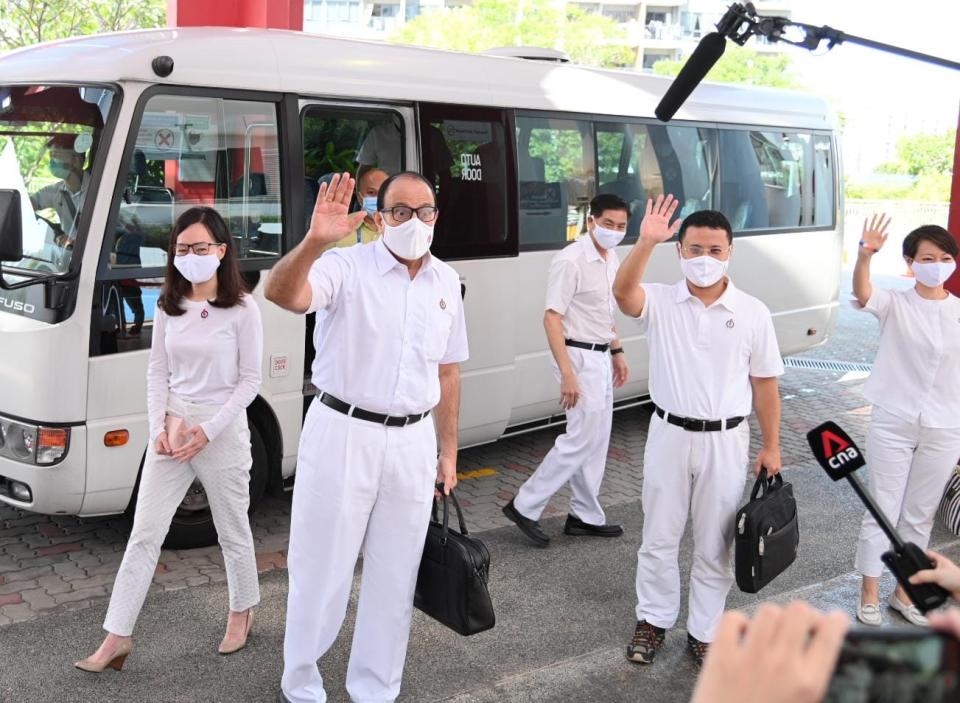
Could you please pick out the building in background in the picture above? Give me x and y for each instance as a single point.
(655, 29)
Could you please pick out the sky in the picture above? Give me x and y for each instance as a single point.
(882, 96)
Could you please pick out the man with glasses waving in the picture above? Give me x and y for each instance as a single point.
(713, 352)
(388, 355)
(589, 363)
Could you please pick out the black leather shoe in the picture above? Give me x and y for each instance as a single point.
(698, 650)
(647, 640)
(531, 528)
(576, 526)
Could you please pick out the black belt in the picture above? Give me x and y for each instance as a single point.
(340, 406)
(586, 345)
(693, 425)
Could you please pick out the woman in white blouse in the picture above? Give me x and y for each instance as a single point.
(204, 371)
(914, 436)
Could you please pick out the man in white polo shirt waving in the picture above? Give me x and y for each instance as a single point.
(712, 351)
(387, 364)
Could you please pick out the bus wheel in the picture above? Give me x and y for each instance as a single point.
(192, 524)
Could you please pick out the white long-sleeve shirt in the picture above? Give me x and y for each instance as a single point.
(208, 356)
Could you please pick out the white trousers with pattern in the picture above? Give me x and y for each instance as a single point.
(223, 467)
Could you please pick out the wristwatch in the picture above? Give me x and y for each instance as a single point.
(618, 350)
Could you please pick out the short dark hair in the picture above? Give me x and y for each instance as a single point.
(385, 187)
(230, 284)
(712, 219)
(607, 201)
(936, 235)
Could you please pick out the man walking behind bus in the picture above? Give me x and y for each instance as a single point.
(581, 330)
(368, 462)
(712, 351)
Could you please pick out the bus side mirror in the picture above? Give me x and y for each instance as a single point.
(11, 226)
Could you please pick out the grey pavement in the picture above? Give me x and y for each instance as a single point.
(564, 613)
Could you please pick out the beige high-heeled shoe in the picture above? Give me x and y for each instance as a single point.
(229, 645)
(115, 661)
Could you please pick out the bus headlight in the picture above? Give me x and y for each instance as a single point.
(33, 444)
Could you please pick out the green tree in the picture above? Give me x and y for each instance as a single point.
(741, 65)
(589, 38)
(25, 22)
(925, 154)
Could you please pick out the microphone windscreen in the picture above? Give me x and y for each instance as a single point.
(707, 53)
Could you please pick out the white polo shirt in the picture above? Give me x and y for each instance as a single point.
(916, 374)
(702, 358)
(580, 287)
(383, 333)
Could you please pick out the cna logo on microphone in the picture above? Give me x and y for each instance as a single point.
(837, 454)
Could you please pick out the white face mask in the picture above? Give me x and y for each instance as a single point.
(409, 240)
(607, 238)
(197, 269)
(934, 273)
(703, 271)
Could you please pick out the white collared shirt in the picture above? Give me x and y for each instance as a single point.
(702, 358)
(580, 287)
(383, 334)
(916, 374)
(63, 201)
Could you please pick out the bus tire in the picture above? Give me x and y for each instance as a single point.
(192, 524)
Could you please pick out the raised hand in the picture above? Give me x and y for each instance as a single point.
(875, 234)
(656, 225)
(331, 220)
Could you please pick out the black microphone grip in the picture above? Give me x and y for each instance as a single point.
(707, 53)
(904, 563)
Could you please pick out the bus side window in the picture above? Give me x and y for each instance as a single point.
(465, 155)
(824, 202)
(187, 151)
(557, 179)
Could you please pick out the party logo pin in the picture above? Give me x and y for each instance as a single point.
(730, 323)
(443, 304)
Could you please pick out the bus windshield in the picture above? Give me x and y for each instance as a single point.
(49, 136)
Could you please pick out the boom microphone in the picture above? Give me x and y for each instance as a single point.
(840, 458)
(707, 53)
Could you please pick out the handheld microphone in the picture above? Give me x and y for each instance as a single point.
(839, 456)
(707, 53)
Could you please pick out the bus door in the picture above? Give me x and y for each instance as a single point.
(468, 154)
(186, 147)
(356, 138)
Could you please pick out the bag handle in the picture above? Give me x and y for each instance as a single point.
(446, 513)
(767, 483)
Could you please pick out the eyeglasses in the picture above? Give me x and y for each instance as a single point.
(402, 213)
(697, 250)
(198, 248)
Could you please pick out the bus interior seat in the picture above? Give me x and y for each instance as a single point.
(256, 185)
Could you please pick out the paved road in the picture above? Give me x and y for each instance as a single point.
(564, 613)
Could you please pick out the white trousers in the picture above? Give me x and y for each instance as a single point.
(359, 485)
(223, 467)
(702, 472)
(909, 469)
(579, 455)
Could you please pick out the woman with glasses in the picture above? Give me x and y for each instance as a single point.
(204, 371)
(914, 437)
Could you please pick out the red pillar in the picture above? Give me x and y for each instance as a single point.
(273, 14)
(953, 222)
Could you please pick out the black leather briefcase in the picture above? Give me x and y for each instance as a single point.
(767, 533)
(452, 583)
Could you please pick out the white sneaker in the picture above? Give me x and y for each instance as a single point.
(910, 612)
(869, 614)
